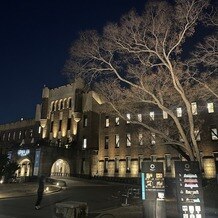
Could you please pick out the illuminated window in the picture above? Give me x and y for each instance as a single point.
(40, 129)
(69, 102)
(9, 135)
(116, 163)
(165, 115)
(85, 121)
(128, 116)
(117, 121)
(194, 108)
(140, 117)
(65, 103)
(153, 139)
(151, 114)
(140, 139)
(128, 164)
(179, 112)
(52, 106)
(60, 105)
(106, 142)
(14, 135)
(106, 164)
(20, 133)
(128, 140)
(214, 135)
(197, 135)
(55, 105)
(117, 141)
(84, 143)
(107, 121)
(210, 107)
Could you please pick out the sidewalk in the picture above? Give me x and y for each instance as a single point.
(14, 190)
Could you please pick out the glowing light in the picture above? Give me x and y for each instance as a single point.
(1, 181)
(74, 128)
(23, 153)
(47, 189)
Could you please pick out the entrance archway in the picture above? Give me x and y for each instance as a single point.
(60, 168)
(24, 168)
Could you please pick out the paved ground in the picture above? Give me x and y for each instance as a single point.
(125, 211)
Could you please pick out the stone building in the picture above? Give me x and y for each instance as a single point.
(62, 139)
(70, 135)
(122, 147)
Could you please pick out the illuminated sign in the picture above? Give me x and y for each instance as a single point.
(37, 161)
(153, 189)
(153, 179)
(23, 152)
(189, 189)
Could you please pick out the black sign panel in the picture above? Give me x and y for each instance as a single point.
(154, 176)
(152, 180)
(189, 189)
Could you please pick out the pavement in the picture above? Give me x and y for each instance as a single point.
(133, 210)
(14, 190)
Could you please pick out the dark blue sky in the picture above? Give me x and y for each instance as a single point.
(34, 42)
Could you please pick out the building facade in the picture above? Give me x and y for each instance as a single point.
(61, 140)
(70, 135)
(123, 146)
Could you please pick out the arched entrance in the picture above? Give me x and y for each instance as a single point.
(24, 168)
(60, 168)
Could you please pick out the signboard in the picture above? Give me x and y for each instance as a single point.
(153, 190)
(23, 152)
(36, 163)
(153, 180)
(189, 189)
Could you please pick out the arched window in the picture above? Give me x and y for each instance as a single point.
(25, 133)
(9, 136)
(20, 133)
(61, 104)
(65, 103)
(14, 135)
(56, 105)
(69, 102)
(52, 106)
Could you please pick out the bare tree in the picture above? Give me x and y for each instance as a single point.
(140, 63)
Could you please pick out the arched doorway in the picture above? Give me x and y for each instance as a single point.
(24, 168)
(60, 168)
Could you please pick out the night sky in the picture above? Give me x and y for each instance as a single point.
(34, 42)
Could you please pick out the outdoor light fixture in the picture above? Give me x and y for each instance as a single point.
(57, 183)
(1, 181)
(47, 189)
